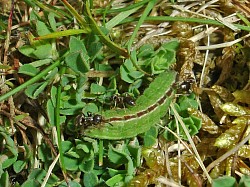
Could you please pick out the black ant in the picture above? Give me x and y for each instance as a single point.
(186, 85)
(90, 120)
(84, 121)
(122, 100)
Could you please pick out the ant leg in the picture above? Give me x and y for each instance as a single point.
(89, 114)
(123, 103)
(110, 124)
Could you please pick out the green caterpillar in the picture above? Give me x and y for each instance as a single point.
(150, 107)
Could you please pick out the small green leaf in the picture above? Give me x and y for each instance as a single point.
(9, 155)
(115, 180)
(112, 172)
(58, 34)
(128, 65)
(125, 75)
(76, 45)
(43, 51)
(161, 61)
(136, 74)
(93, 45)
(90, 107)
(192, 123)
(117, 156)
(39, 63)
(133, 88)
(184, 103)
(10, 144)
(172, 45)
(191, 127)
(4, 179)
(97, 89)
(145, 51)
(7, 160)
(77, 59)
(225, 181)
(72, 153)
(69, 162)
(39, 175)
(44, 153)
(244, 181)
(42, 28)
(197, 122)
(126, 70)
(53, 93)
(19, 165)
(21, 117)
(90, 179)
(83, 147)
(121, 157)
(87, 166)
(94, 143)
(52, 21)
(135, 152)
(27, 50)
(104, 67)
(51, 75)
(35, 89)
(28, 69)
(71, 107)
(31, 183)
(150, 137)
(70, 183)
(51, 112)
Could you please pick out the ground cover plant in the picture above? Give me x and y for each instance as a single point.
(124, 93)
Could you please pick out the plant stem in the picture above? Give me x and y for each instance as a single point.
(57, 122)
(117, 10)
(29, 82)
(95, 28)
(144, 15)
(184, 19)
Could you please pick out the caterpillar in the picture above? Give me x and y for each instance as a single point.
(150, 107)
